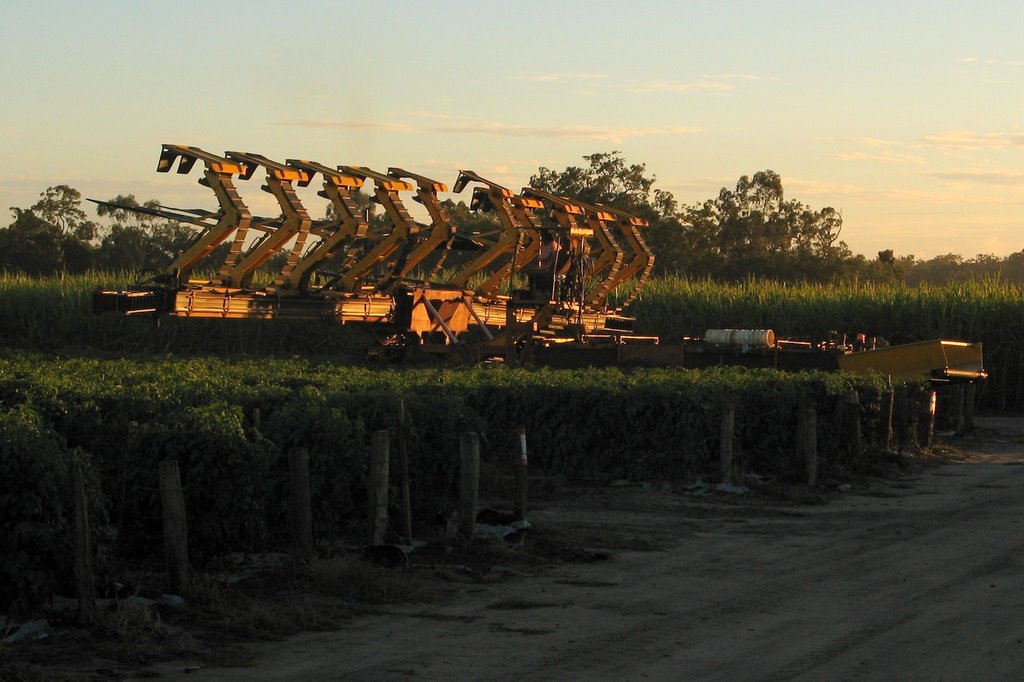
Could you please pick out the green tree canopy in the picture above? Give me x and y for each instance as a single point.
(139, 241)
(53, 235)
(755, 230)
(61, 207)
(752, 230)
(607, 179)
(30, 245)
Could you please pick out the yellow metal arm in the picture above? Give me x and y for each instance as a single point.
(608, 256)
(294, 225)
(516, 215)
(385, 191)
(642, 262)
(348, 225)
(233, 217)
(170, 153)
(441, 225)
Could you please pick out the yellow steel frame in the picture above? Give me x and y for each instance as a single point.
(348, 225)
(935, 359)
(385, 190)
(233, 214)
(294, 224)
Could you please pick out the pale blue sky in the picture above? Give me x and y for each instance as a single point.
(905, 116)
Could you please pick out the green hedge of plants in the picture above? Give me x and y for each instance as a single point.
(989, 311)
(54, 315)
(230, 423)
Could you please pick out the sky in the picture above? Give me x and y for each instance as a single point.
(906, 116)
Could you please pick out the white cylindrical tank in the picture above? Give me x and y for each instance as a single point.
(741, 338)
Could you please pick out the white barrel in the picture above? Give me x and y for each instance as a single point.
(741, 338)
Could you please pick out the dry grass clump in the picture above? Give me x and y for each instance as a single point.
(134, 630)
(362, 582)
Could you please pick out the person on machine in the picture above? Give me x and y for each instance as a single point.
(541, 273)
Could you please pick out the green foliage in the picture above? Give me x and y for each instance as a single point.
(52, 236)
(54, 315)
(230, 424)
(224, 471)
(609, 423)
(750, 231)
(987, 311)
(55, 236)
(607, 179)
(34, 483)
(30, 245)
(755, 231)
(746, 231)
(336, 455)
(60, 206)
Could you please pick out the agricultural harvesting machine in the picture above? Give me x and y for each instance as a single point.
(481, 298)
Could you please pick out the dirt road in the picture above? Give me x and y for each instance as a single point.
(918, 578)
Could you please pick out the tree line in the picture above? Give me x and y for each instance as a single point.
(749, 231)
(55, 235)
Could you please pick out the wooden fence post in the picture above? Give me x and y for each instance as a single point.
(725, 450)
(807, 440)
(521, 480)
(956, 405)
(172, 503)
(377, 483)
(901, 417)
(885, 410)
(850, 424)
(302, 510)
(85, 583)
(469, 481)
(926, 424)
(403, 459)
(969, 397)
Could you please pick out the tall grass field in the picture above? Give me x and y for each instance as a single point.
(53, 315)
(991, 312)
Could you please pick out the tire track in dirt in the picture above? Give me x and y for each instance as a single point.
(872, 583)
(910, 610)
(616, 652)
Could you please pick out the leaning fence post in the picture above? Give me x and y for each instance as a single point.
(172, 502)
(85, 585)
(725, 451)
(521, 480)
(377, 483)
(469, 480)
(302, 512)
